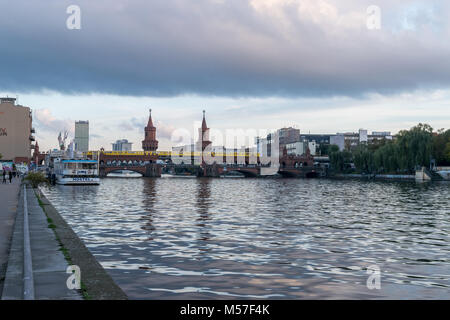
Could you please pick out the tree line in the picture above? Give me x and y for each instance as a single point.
(418, 146)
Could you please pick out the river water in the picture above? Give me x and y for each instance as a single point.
(236, 238)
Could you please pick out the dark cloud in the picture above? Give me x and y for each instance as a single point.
(163, 131)
(224, 48)
(133, 124)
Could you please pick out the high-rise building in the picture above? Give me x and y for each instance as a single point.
(15, 131)
(82, 136)
(121, 145)
(362, 135)
(150, 143)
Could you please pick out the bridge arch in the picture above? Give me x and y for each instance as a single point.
(248, 173)
(104, 171)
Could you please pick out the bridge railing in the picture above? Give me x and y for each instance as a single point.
(123, 165)
(173, 153)
(301, 167)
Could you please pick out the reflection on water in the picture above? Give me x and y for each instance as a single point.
(179, 238)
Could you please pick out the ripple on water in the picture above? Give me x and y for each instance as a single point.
(264, 238)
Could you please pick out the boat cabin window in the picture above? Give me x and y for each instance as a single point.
(71, 165)
(88, 165)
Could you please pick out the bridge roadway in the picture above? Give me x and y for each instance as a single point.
(215, 170)
(146, 163)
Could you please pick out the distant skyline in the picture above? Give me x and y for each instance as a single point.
(120, 117)
(261, 64)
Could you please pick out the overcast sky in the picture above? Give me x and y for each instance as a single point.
(258, 64)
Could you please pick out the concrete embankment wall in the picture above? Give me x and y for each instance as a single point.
(36, 266)
(96, 281)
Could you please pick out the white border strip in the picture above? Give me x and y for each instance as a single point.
(28, 281)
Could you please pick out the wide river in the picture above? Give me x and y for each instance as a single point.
(236, 238)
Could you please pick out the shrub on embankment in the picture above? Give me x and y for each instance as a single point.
(36, 178)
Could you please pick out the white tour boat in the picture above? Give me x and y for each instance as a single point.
(76, 171)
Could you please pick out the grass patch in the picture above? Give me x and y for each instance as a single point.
(51, 225)
(84, 292)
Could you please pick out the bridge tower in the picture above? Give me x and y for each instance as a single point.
(203, 135)
(150, 143)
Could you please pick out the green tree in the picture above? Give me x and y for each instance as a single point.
(324, 149)
(447, 152)
(411, 148)
(363, 158)
(414, 147)
(340, 160)
(386, 158)
(440, 141)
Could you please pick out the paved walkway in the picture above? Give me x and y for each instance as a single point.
(9, 194)
(49, 264)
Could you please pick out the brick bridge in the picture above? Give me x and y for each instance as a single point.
(140, 162)
(146, 164)
(289, 166)
(150, 170)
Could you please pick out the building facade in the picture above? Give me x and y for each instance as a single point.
(81, 136)
(122, 145)
(338, 140)
(296, 148)
(288, 135)
(16, 131)
(351, 140)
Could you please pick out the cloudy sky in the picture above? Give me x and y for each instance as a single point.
(258, 64)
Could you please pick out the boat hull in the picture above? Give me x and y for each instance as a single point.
(78, 181)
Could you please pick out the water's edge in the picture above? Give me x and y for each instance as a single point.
(98, 283)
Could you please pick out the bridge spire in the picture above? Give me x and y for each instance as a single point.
(203, 135)
(150, 143)
(204, 126)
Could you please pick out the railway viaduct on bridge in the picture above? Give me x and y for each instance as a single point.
(146, 162)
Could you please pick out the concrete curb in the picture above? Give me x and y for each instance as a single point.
(13, 283)
(98, 283)
(48, 275)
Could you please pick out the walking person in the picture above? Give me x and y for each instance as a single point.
(10, 176)
(4, 176)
